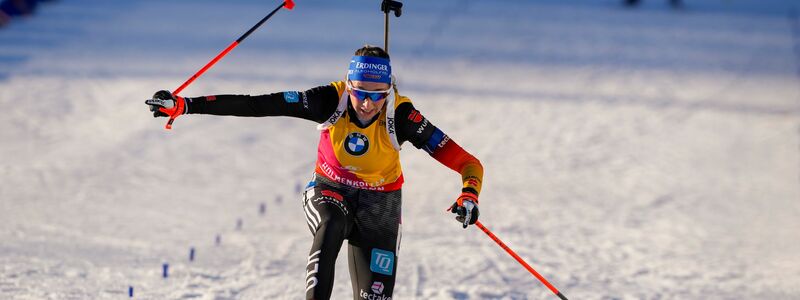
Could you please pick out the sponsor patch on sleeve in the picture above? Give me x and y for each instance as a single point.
(437, 140)
(415, 116)
(291, 97)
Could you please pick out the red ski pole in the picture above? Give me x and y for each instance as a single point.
(522, 262)
(289, 4)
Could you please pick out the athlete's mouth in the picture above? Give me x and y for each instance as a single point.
(366, 112)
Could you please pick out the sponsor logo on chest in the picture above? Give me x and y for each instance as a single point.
(356, 144)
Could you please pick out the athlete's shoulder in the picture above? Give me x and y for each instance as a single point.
(401, 100)
(412, 124)
(339, 86)
(403, 109)
(320, 101)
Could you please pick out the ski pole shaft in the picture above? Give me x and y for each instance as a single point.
(522, 262)
(388, 6)
(386, 32)
(289, 4)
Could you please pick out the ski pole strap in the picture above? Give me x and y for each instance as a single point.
(522, 262)
(180, 108)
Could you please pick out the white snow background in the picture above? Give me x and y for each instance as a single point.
(639, 153)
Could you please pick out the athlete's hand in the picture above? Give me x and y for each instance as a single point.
(466, 209)
(164, 104)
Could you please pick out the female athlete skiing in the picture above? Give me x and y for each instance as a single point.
(355, 191)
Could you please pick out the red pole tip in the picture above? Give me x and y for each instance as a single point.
(289, 4)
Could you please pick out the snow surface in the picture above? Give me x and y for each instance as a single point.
(630, 153)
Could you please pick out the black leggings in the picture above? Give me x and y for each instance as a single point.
(369, 220)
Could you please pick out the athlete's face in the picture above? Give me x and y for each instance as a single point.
(366, 109)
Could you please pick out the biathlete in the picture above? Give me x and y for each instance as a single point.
(355, 191)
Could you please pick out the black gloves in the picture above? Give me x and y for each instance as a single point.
(466, 209)
(164, 104)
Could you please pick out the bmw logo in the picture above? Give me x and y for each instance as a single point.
(356, 144)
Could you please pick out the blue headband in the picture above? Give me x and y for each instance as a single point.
(370, 68)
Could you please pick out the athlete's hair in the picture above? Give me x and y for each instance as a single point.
(369, 50)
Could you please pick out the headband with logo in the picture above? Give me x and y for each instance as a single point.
(370, 68)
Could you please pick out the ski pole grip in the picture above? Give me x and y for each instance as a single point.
(391, 5)
(289, 4)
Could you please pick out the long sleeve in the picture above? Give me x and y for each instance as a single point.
(415, 128)
(316, 104)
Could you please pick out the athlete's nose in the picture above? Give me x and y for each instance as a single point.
(367, 105)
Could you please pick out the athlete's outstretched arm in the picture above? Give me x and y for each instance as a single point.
(316, 104)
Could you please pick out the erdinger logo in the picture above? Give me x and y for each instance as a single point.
(379, 67)
(356, 144)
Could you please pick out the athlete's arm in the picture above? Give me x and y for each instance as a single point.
(412, 126)
(316, 104)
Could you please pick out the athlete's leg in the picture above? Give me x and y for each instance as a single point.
(330, 222)
(374, 243)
